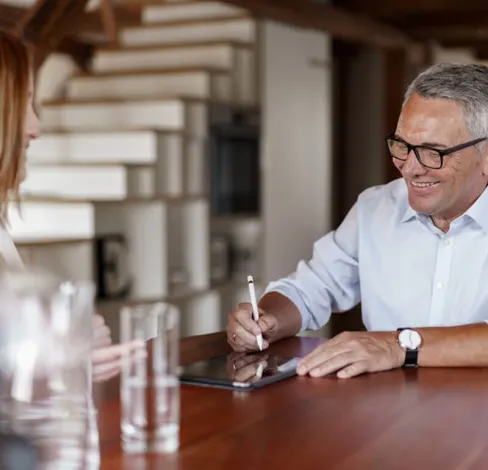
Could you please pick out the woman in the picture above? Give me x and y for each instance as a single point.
(19, 125)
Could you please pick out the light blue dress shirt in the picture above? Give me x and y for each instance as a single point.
(398, 264)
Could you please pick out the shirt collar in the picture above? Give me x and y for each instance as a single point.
(478, 212)
(409, 213)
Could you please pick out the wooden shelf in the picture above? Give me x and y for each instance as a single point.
(235, 218)
(192, 22)
(189, 99)
(160, 71)
(52, 242)
(99, 164)
(117, 48)
(97, 130)
(141, 200)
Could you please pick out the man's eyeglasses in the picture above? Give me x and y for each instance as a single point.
(427, 156)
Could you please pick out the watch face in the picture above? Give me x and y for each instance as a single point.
(409, 339)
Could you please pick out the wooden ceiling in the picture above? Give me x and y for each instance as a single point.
(450, 23)
(391, 24)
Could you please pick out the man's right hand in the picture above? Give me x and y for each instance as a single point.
(242, 329)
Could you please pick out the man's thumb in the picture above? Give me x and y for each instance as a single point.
(266, 322)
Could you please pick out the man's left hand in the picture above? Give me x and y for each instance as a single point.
(353, 353)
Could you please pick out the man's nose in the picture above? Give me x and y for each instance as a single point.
(412, 166)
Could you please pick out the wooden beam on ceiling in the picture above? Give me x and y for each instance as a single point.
(451, 23)
(93, 21)
(481, 51)
(452, 33)
(325, 17)
(81, 52)
(10, 17)
(413, 21)
(48, 22)
(461, 42)
(44, 25)
(396, 8)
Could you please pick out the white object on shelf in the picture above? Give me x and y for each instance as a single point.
(202, 314)
(237, 29)
(46, 220)
(70, 260)
(188, 243)
(137, 147)
(189, 11)
(181, 167)
(169, 164)
(166, 114)
(134, 85)
(96, 182)
(163, 237)
(219, 55)
(236, 58)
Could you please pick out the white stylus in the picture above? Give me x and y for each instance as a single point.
(255, 311)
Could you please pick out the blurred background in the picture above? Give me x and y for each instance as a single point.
(187, 144)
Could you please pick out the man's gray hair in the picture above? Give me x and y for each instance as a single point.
(465, 83)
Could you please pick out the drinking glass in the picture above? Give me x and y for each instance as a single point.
(45, 366)
(149, 381)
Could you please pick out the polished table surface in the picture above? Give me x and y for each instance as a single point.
(404, 419)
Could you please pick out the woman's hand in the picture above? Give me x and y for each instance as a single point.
(107, 361)
(107, 357)
(101, 333)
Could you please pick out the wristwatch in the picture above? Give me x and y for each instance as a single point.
(410, 340)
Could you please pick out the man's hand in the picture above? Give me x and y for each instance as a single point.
(242, 367)
(242, 329)
(350, 354)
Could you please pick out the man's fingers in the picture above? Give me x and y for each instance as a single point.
(333, 365)
(245, 339)
(352, 370)
(248, 359)
(267, 323)
(336, 345)
(245, 320)
(322, 354)
(249, 371)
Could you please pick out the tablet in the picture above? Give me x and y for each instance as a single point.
(239, 370)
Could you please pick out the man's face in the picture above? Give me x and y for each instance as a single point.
(440, 124)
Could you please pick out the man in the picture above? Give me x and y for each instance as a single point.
(414, 252)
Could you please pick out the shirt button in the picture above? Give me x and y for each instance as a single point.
(447, 242)
(440, 285)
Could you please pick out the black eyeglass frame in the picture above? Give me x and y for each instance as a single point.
(442, 153)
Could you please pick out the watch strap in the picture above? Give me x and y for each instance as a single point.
(411, 355)
(411, 358)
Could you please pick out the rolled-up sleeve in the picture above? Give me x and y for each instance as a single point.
(329, 281)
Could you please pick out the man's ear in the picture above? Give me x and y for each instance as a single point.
(484, 160)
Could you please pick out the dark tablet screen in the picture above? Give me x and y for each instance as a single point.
(239, 370)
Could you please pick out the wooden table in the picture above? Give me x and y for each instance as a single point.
(426, 419)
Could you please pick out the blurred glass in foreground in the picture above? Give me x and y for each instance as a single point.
(45, 367)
